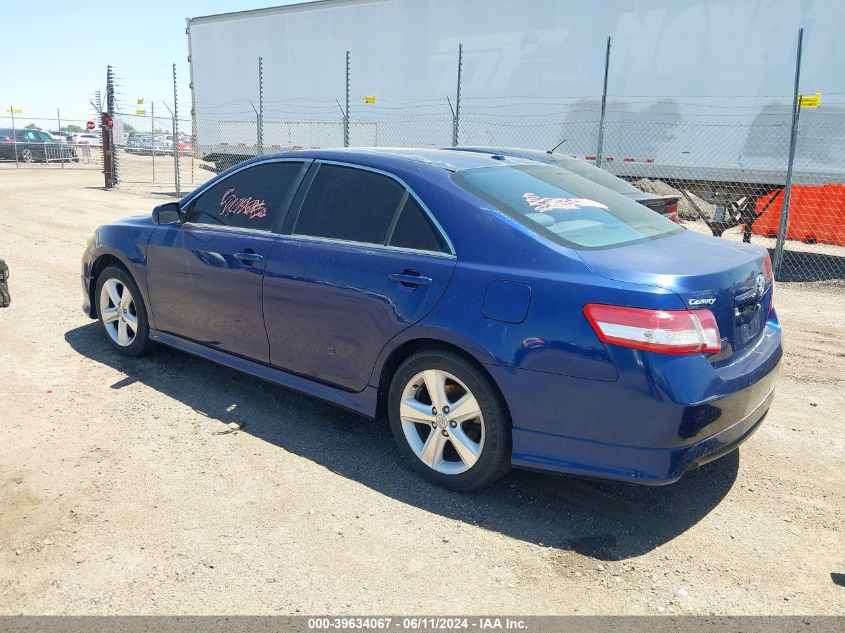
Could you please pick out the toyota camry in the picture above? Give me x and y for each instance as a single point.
(496, 311)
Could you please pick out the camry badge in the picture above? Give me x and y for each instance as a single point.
(702, 302)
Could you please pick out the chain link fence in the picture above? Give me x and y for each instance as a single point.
(725, 160)
(55, 143)
(730, 181)
(728, 175)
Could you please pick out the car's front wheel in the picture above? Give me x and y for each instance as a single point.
(449, 421)
(122, 313)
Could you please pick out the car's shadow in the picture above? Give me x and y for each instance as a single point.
(608, 521)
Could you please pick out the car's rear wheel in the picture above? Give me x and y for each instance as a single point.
(449, 421)
(26, 155)
(122, 313)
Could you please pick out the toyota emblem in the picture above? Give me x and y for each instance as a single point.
(761, 285)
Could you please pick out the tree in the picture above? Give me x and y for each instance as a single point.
(72, 128)
(128, 128)
(32, 126)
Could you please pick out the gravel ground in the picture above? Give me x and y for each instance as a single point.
(120, 491)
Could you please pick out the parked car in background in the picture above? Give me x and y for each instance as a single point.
(496, 310)
(185, 146)
(29, 146)
(86, 138)
(61, 135)
(664, 205)
(148, 144)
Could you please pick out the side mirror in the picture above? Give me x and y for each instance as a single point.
(167, 213)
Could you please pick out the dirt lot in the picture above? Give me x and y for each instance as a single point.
(118, 494)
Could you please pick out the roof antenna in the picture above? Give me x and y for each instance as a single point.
(552, 150)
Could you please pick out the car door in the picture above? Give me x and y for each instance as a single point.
(205, 276)
(361, 261)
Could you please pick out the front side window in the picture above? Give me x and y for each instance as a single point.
(350, 204)
(564, 207)
(254, 198)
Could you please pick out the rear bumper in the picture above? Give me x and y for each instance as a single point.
(651, 466)
(663, 416)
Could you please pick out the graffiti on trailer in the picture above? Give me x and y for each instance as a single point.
(551, 204)
(231, 204)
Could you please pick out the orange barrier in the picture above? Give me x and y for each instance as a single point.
(816, 214)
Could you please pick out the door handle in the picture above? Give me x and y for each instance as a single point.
(410, 279)
(248, 257)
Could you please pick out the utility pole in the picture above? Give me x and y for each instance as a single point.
(346, 112)
(153, 136)
(260, 105)
(176, 136)
(456, 114)
(600, 147)
(106, 123)
(60, 148)
(793, 139)
(14, 135)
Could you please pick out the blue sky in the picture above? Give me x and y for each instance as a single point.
(58, 56)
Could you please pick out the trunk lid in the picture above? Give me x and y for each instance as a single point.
(706, 272)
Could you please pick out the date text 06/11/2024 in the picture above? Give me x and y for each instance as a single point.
(417, 624)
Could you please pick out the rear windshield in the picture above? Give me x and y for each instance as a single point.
(591, 172)
(564, 207)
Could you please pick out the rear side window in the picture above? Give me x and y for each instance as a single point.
(564, 207)
(414, 230)
(254, 198)
(350, 204)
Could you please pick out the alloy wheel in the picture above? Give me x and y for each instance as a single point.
(442, 422)
(118, 312)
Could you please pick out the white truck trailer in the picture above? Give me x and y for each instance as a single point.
(700, 93)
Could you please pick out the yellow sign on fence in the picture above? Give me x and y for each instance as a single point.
(140, 111)
(140, 100)
(14, 110)
(369, 98)
(811, 101)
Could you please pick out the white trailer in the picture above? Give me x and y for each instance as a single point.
(532, 76)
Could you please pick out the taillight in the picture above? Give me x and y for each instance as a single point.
(769, 276)
(664, 331)
(670, 211)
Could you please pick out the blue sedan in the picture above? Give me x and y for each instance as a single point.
(496, 310)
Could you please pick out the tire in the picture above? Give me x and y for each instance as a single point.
(27, 156)
(125, 325)
(465, 453)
